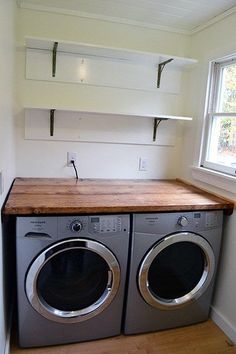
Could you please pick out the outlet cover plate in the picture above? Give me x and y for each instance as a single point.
(71, 156)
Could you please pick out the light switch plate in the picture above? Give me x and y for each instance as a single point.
(143, 164)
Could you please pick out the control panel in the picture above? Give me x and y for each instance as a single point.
(59, 227)
(82, 225)
(209, 219)
(165, 223)
(105, 224)
(96, 224)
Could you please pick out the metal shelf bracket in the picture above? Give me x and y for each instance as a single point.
(156, 123)
(160, 69)
(54, 59)
(52, 113)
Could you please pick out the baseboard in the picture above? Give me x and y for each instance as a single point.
(224, 324)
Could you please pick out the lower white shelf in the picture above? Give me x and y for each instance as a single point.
(100, 127)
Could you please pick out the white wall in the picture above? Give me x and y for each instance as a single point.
(7, 10)
(214, 42)
(48, 159)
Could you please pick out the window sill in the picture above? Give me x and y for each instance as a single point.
(216, 179)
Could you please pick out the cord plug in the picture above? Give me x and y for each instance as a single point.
(71, 161)
(76, 172)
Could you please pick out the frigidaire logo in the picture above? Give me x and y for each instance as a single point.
(38, 222)
(152, 218)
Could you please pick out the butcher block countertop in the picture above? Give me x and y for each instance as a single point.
(30, 196)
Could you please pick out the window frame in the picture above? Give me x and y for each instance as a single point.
(212, 111)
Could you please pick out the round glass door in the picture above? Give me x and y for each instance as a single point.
(176, 271)
(73, 280)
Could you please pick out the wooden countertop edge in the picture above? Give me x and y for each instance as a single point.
(112, 210)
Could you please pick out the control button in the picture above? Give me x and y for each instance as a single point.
(182, 221)
(76, 226)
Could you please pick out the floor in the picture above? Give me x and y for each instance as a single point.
(203, 338)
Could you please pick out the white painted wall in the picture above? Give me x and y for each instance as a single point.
(47, 159)
(7, 10)
(214, 42)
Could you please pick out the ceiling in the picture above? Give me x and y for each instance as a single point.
(186, 16)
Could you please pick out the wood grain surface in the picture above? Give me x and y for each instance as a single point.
(87, 196)
(203, 338)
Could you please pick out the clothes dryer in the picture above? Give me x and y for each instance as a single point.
(173, 266)
(71, 274)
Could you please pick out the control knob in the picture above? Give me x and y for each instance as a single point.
(182, 221)
(76, 226)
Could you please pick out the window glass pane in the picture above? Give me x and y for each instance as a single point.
(222, 144)
(227, 90)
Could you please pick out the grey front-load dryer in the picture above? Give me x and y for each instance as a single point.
(71, 274)
(173, 265)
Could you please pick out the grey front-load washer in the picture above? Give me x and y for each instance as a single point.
(173, 265)
(71, 274)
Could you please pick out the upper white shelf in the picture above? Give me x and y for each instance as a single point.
(97, 51)
(86, 64)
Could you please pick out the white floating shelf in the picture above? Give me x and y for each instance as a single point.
(113, 114)
(71, 125)
(54, 60)
(86, 64)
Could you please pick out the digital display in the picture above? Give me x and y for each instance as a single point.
(95, 219)
(197, 215)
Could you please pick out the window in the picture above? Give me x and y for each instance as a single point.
(219, 150)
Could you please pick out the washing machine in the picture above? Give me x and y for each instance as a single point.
(71, 273)
(173, 266)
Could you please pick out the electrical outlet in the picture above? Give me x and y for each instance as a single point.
(71, 156)
(1, 183)
(143, 164)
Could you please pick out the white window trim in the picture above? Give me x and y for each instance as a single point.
(214, 178)
(210, 176)
(211, 108)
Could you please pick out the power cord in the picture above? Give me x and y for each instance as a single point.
(76, 172)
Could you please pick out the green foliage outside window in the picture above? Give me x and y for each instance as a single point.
(228, 105)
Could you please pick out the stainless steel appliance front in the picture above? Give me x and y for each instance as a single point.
(71, 273)
(173, 265)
